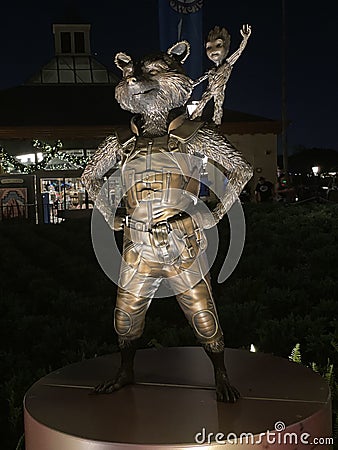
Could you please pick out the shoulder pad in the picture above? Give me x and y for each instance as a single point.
(187, 130)
(124, 135)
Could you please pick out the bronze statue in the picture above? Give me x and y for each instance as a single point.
(217, 48)
(163, 234)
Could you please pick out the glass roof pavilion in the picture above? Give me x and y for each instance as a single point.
(73, 62)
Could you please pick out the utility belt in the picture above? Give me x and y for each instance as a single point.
(159, 233)
(172, 223)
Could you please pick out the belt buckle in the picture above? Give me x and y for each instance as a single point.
(160, 233)
(139, 226)
(165, 223)
(155, 229)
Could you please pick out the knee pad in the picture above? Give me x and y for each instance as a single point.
(122, 322)
(205, 324)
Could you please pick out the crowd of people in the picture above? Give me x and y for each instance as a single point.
(289, 190)
(282, 191)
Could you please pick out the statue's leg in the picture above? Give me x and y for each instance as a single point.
(134, 296)
(125, 373)
(218, 109)
(129, 319)
(190, 280)
(199, 308)
(201, 105)
(224, 390)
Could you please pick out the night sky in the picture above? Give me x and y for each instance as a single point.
(255, 85)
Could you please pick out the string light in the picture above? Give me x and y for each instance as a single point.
(49, 152)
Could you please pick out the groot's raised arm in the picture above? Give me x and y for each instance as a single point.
(245, 32)
(217, 49)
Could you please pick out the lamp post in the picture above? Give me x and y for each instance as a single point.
(315, 170)
(284, 95)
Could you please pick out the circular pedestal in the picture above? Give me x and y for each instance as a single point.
(173, 405)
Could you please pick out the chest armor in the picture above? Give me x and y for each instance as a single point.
(158, 171)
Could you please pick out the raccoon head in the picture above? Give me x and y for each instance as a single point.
(156, 84)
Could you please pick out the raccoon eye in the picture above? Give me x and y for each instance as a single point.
(153, 72)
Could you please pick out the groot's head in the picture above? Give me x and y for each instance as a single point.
(218, 44)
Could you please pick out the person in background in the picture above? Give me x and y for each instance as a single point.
(245, 195)
(284, 190)
(264, 191)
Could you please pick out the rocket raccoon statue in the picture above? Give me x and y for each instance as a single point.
(163, 238)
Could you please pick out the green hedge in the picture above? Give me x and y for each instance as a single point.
(56, 303)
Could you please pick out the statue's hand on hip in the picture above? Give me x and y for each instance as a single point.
(204, 219)
(116, 222)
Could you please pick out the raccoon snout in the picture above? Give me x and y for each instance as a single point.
(131, 80)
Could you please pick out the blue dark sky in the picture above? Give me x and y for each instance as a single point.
(255, 85)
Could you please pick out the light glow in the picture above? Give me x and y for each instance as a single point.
(29, 158)
(192, 106)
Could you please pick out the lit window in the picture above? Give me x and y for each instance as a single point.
(82, 62)
(29, 158)
(83, 76)
(66, 62)
(66, 76)
(49, 76)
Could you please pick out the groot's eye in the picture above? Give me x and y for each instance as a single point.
(219, 45)
(208, 47)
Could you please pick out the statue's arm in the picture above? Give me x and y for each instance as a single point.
(245, 32)
(201, 79)
(92, 177)
(217, 148)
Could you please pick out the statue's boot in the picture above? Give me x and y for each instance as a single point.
(125, 374)
(224, 391)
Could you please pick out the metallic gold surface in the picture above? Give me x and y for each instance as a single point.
(217, 48)
(140, 284)
(161, 161)
(156, 190)
(172, 400)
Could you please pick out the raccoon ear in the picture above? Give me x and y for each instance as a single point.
(181, 50)
(122, 60)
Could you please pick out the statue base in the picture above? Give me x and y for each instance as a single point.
(173, 405)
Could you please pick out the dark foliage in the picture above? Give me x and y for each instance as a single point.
(56, 303)
(305, 158)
